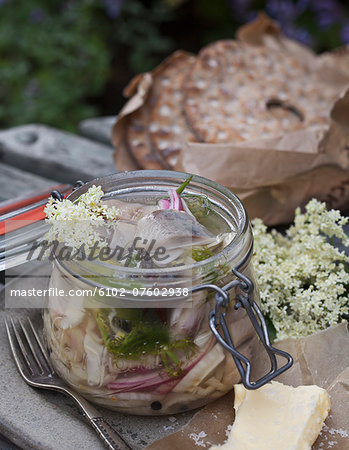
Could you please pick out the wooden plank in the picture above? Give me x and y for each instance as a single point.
(7, 445)
(16, 182)
(98, 129)
(55, 154)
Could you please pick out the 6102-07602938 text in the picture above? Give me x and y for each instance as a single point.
(102, 292)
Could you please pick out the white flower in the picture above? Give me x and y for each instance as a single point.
(303, 278)
(79, 223)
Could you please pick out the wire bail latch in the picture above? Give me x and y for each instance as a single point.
(244, 298)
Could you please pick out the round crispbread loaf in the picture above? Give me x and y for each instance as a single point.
(154, 131)
(168, 127)
(237, 92)
(138, 140)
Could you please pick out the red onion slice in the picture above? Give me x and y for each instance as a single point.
(164, 203)
(153, 379)
(175, 200)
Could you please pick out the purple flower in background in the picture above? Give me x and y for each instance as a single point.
(294, 16)
(37, 15)
(251, 15)
(345, 34)
(327, 12)
(325, 5)
(284, 11)
(113, 8)
(300, 34)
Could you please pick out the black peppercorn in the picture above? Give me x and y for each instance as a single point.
(156, 406)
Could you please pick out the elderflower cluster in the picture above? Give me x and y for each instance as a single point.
(303, 278)
(79, 223)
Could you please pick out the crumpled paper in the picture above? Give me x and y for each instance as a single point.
(321, 359)
(271, 176)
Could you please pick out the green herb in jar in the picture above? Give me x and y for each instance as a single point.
(144, 338)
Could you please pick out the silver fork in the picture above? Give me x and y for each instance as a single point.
(35, 367)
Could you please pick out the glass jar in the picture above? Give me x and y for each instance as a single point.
(187, 332)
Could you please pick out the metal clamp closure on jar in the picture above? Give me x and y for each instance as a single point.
(217, 319)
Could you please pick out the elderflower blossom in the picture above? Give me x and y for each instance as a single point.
(303, 278)
(78, 223)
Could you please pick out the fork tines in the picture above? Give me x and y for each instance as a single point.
(27, 349)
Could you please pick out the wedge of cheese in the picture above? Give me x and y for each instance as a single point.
(277, 417)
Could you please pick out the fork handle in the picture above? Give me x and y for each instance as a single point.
(108, 434)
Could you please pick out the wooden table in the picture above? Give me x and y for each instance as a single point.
(35, 157)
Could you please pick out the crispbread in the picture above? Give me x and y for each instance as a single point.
(138, 140)
(168, 128)
(148, 126)
(237, 92)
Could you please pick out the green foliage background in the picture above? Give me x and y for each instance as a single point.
(50, 61)
(63, 61)
(56, 58)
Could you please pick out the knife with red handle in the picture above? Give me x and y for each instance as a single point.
(23, 211)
